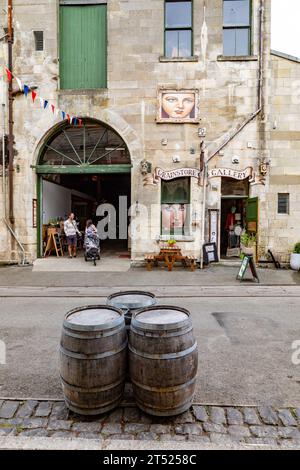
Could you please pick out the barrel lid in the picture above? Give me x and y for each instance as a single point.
(93, 317)
(131, 300)
(161, 317)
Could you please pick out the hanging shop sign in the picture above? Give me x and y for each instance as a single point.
(168, 175)
(173, 174)
(231, 173)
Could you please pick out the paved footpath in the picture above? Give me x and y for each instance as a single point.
(203, 425)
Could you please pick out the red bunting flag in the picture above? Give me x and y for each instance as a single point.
(68, 117)
(53, 108)
(80, 122)
(33, 95)
(9, 74)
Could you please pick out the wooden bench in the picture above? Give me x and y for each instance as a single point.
(191, 262)
(150, 259)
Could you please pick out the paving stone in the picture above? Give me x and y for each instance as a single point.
(199, 439)
(191, 428)
(38, 432)
(217, 415)
(59, 424)
(217, 438)
(261, 441)
(147, 436)
(135, 428)
(215, 428)
(90, 435)
(8, 409)
(44, 409)
(59, 434)
(287, 418)
(1, 402)
(289, 443)
(268, 415)
(234, 416)
(86, 427)
(200, 413)
(168, 437)
(124, 437)
(60, 411)
(251, 416)
(11, 422)
(33, 423)
(160, 428)
(288, 432)
(6, 431)
(297, 413)
(237, 430)
(26, 410)
(264, 431)
(110, 429)
(184, 418)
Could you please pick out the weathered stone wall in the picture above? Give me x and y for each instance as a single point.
(228, 94)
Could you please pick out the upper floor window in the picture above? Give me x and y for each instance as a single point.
(83, 44)
(178, 28)
(236, 27)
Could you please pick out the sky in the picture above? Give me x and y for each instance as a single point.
(286, 26)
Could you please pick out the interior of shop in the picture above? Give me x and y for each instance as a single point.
(82, 194)
(233, 216)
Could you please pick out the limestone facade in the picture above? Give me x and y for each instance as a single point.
(228, 90)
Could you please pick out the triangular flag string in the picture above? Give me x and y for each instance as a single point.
(73, 120)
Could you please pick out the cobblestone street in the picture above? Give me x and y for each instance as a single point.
(204, 424)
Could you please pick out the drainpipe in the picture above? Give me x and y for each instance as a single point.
(241, 127)
(10, 115)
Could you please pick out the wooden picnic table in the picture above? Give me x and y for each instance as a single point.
(170, 255)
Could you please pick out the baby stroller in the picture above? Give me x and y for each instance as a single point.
(92, 247)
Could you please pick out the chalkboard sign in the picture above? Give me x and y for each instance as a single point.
(247, 262)
(210, 253)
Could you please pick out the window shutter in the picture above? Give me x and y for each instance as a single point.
(83, 47)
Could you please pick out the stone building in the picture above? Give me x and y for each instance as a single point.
(179, 106)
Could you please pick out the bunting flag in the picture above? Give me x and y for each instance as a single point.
(19, 83)
(33, 96)
(9, 74)
(73, 120)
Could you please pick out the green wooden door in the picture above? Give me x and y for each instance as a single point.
(252, 214)
(83, 46)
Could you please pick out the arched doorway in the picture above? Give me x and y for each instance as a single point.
(80, 167)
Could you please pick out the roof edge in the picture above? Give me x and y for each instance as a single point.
(285, 56)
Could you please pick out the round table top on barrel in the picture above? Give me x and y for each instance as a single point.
(131, 300)
(93, 317)
(161, 317)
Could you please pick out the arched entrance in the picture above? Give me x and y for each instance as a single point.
(80, 167)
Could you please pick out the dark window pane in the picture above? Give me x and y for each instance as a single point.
(236, 12)
(283, 203)
(178, 43)
(175, 191)
(178, 15)
(236, 42)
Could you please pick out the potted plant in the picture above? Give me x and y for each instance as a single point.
(171, 243)
(248, 243)
(295, 257)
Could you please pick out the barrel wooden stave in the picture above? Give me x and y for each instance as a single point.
(92, 366)
(163, 366)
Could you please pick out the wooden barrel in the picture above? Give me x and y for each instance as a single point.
(163, 360)
(131, 301)
(93, 355)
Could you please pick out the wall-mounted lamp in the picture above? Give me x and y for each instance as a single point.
(202, 131)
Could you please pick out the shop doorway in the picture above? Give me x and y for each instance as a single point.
(233, 216)
(80, 168)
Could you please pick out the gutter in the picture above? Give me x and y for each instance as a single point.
(241, 127)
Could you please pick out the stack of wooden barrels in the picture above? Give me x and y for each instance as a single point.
(155, 345)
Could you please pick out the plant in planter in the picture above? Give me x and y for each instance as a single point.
(171, 243)
(295, 257)
(248, 243)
